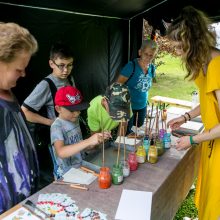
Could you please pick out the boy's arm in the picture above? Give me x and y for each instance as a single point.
(35, 101)
(69, 150)
(35, 117)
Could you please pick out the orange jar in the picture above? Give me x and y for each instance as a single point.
(104, 178)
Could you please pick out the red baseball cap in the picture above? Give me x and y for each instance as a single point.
(70, 98)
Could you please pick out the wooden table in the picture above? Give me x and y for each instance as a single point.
(169, 179)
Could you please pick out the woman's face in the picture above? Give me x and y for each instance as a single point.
(11, 72)
(147, 55)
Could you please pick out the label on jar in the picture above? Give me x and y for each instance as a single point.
(167, 144)
(120, 179)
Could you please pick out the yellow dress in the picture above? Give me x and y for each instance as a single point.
(207, 196)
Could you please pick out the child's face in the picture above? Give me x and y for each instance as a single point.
(61, 67)
(147, 55)
(67, 115)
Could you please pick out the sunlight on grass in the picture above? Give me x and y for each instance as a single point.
(170, 80)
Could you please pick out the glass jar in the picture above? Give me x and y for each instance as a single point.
(160, 147)
(161, 133)
(152, 156)
(164, 115)
(146, 144)
(104, 178)
(125, 168)
(132, 160)
(195, 99)
(141, 154)
(117, 174)
(167, 140)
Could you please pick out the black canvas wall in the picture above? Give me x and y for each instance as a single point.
(100, 46)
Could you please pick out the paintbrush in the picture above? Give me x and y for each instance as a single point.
(60, 182)
(119, 144)
(32, 205)
(89, 171)
(78, 187)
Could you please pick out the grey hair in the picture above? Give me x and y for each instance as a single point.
(149, 44)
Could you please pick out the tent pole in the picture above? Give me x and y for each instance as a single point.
(129, 39)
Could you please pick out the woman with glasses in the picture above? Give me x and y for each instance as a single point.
(192, 35)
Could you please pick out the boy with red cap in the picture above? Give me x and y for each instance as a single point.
(66, 137)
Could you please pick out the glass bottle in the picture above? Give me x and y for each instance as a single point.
(195, 99)
(125, 168)
(152, 156)
(161, 133)
(117, 174)
(167, 140)
(132, 160)
(164, 115)
(141, 154)
(160, 147)
(104, 178)
(146, 144)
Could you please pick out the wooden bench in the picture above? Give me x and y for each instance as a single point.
(171, 101)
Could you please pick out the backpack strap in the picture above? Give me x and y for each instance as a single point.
(133, 71)
(53, 90)
(69, 78)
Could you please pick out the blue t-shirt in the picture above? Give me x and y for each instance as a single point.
(70, 133)
(139, 83)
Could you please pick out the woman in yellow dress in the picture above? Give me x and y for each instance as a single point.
(195, 41)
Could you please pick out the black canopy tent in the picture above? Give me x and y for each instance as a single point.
(104, 34)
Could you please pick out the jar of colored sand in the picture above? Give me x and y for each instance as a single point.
(117, 174)
(104, 178)
(125, 168)
(141, 154)
(132, 160)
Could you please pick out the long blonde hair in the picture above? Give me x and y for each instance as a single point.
(14, 39)
(192, 30)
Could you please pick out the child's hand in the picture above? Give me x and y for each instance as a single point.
(98, 138)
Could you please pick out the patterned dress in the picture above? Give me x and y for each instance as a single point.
(208, 185)
(18, 160)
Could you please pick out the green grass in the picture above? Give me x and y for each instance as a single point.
(170, 80)
(187, 207)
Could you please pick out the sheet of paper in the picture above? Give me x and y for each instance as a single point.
(134, 205)
(21, 214)
(128, 141)
(78, 176)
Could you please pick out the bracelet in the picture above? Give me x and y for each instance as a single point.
(191, 140)
(185, 119)
(188, 115)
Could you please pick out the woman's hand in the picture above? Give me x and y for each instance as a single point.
(183, 143)
(176, 122)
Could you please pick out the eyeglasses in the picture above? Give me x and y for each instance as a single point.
(61, 67)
